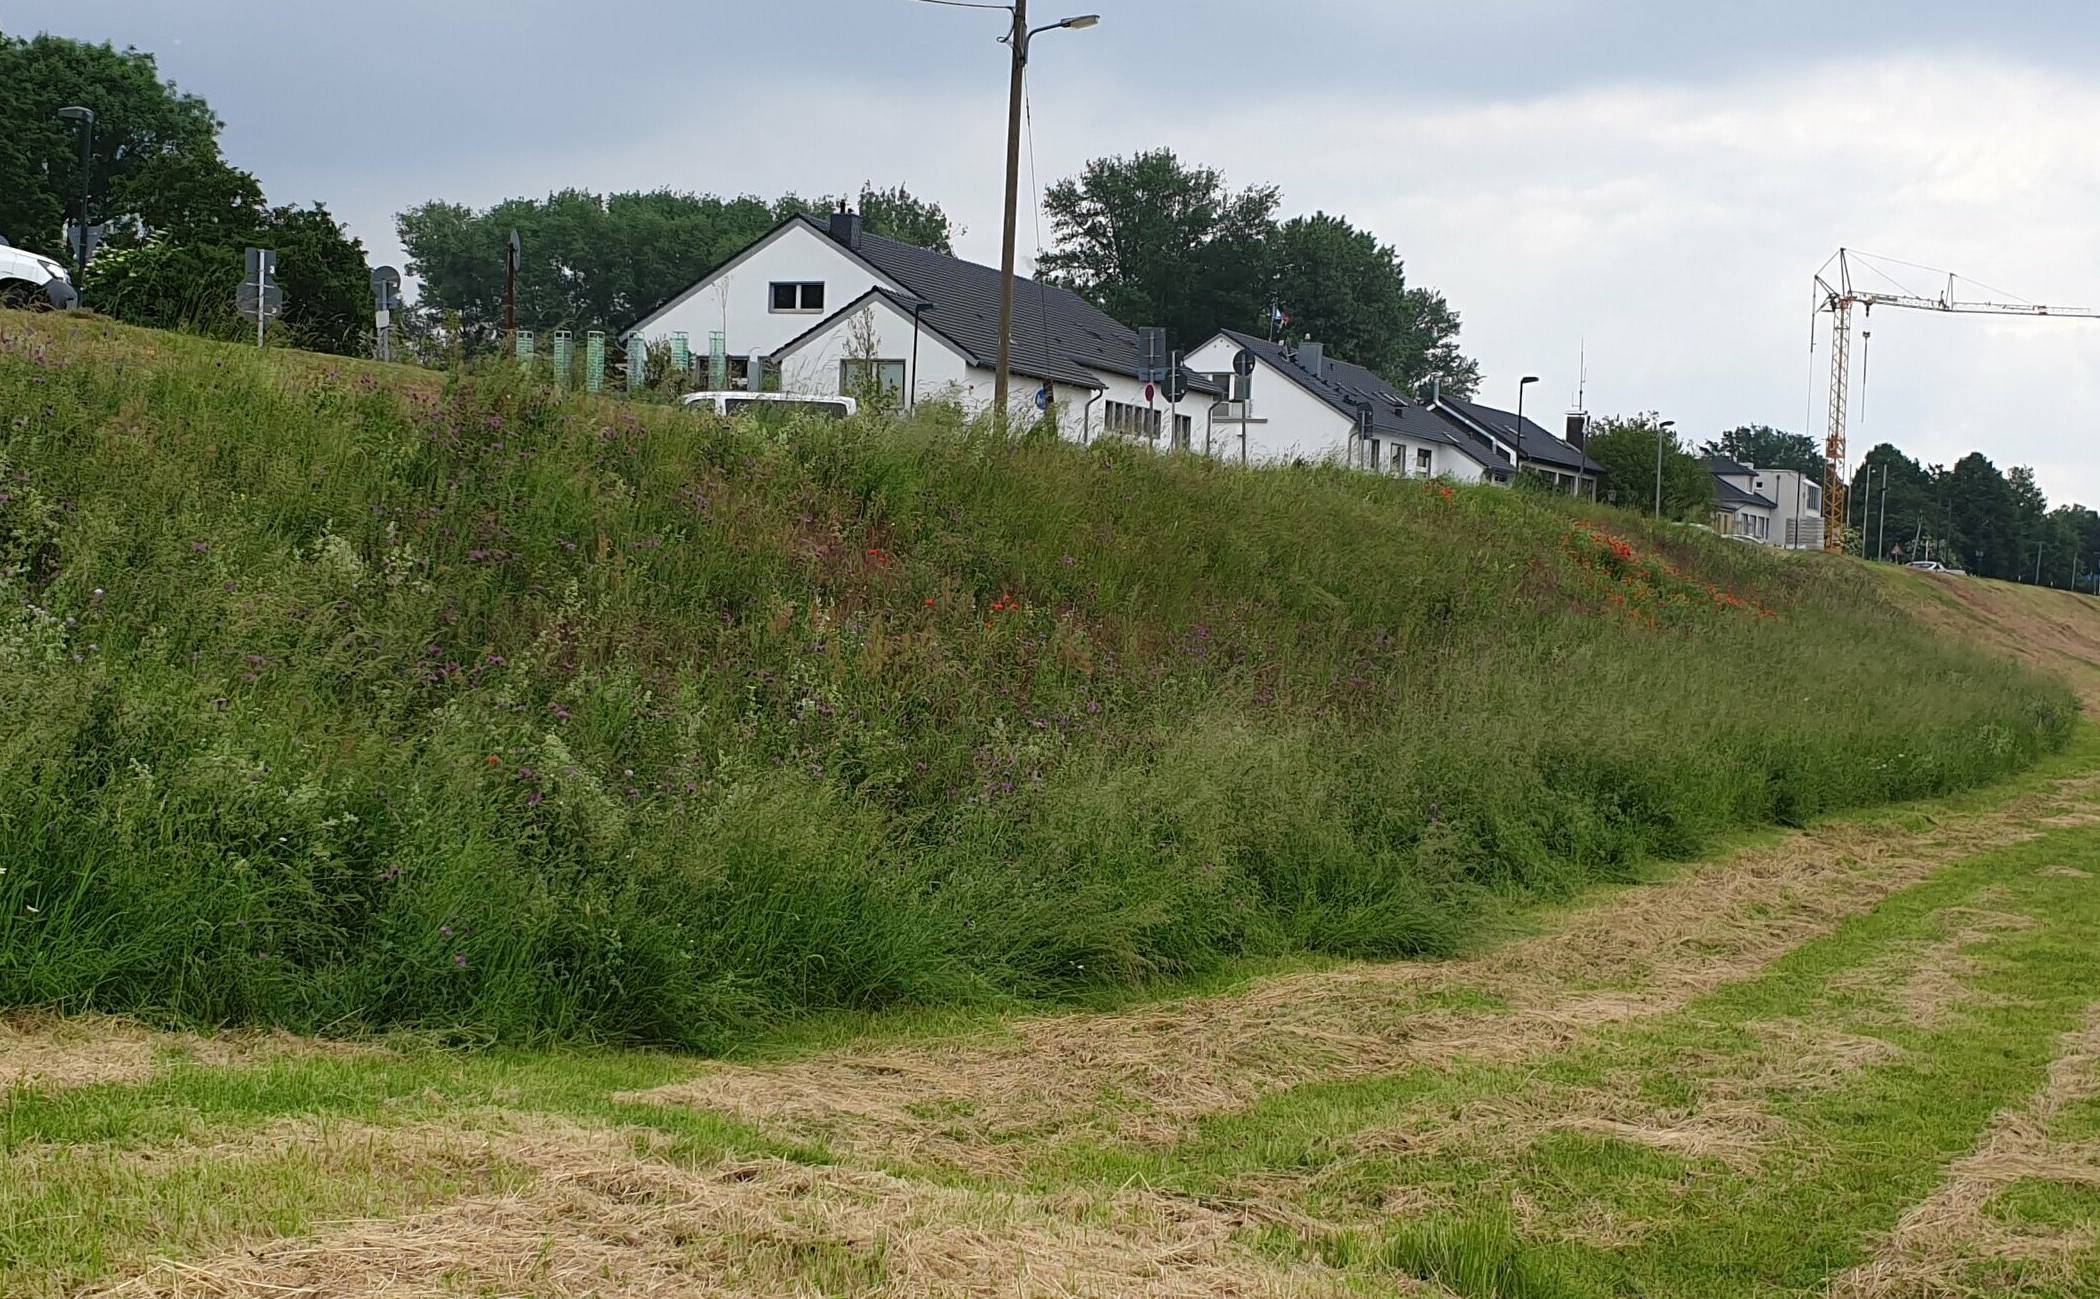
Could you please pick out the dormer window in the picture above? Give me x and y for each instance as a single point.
(804, 297)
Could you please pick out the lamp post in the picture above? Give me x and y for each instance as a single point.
(1522, 384)
(1661, 430)
(1018, 38)
(85, 117)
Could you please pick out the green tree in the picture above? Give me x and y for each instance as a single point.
(1345, 288)
(1902, 511)
(1627, 445)
(1152, 241)
(166, 283)
(903, 216)
(327, 284)
(155, 168)
(1768, 448)
(1980, 507)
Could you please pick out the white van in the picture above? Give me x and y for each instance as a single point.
(773, 403)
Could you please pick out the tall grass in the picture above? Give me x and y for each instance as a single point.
(332, 700)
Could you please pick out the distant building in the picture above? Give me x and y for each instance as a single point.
(1302, 404)
(1778, 507)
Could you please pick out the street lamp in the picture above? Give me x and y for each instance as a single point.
(1660, 430)
(86, 118)
(1517, 466)
(1017, 38)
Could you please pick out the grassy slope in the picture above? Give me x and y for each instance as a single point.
(328, 699)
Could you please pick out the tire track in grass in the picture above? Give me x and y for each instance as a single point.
(1954, 1244)
(988, 1104)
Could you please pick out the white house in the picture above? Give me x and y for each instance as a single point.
(1797, 500)
(1301, 404)
(1779, 507)
(1740, 510)
(832, 305)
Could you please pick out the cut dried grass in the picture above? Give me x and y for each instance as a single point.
(1950, 1245)
(1147, 1075)
(603, 1222)
(1928, 984)
(40, 1050)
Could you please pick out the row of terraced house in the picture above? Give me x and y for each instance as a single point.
(831, 308)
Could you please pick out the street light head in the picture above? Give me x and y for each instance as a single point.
(77, 113)
(1082, 22)
(1529, 378)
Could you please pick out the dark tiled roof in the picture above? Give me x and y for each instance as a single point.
(1731, 497)
(1057, 334)
(1720, 464)
(1345, 387)
(1532, 442)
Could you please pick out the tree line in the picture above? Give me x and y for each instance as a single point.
(1968, 515)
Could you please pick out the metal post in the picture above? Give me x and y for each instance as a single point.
(1019, 39)
(87, 163)
(1866, 510)
(1660, 430)
(510, 285)
(1881, 531)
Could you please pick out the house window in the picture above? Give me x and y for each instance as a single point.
(858, 376)
(1812, 498)
(798, 296)
(1423, 460)
(1184, 428)
(1371, 454)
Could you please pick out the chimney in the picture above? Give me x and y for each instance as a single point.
(1312, 357)
(1436, 389)
(1578, 429)
(845, 227)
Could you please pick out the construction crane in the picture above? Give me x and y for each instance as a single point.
(1837, 294)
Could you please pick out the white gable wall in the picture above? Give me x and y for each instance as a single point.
(737, 300)
(1303, 427)
(1300, 426)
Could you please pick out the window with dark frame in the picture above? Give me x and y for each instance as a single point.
(798, 295)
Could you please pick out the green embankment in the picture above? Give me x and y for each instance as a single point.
(334, 700)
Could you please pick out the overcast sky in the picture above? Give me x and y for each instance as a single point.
(1653, 180)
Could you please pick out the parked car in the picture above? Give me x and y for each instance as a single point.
(31, 280)
(773, 403)
(1933, 566)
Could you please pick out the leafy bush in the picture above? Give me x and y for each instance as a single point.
(330, 700)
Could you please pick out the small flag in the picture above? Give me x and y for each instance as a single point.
(1278, 316)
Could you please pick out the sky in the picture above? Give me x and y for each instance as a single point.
(1647, 184)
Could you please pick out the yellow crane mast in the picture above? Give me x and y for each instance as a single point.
(1838, 294)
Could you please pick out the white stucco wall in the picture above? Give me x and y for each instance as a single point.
(738, 299)
(1302, 426)
(943, 373)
